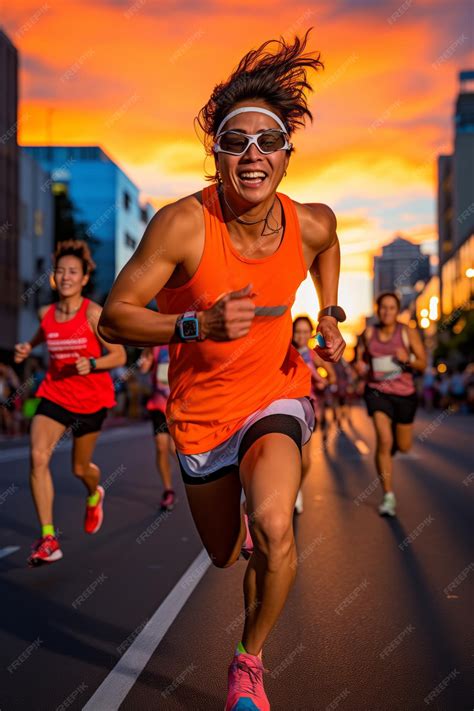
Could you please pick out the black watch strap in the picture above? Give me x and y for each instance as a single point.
(335, 311)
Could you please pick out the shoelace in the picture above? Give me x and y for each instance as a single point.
(248, 683)
(42, 545)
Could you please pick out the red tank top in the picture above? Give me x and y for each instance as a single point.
(214, 385)
(385, 374)
(66, 342)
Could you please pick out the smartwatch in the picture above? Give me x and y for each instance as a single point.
(335, 311)
(187, 326)
(93, 363)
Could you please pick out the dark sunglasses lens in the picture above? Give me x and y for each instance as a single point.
(271, 141)
(233, 142)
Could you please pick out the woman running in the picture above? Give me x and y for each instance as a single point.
(303, 330)
(157, 360)
(224, 264)
(391, 352)
(75, 394)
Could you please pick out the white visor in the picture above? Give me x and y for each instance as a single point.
(257, 109)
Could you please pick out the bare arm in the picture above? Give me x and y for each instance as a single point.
(115, 354)
(324, 272)
(125, 318)
(418, 349)
(23, 350)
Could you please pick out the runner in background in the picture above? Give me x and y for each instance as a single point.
(303, 331)
(389, 353)
(75, 394)
(157, 361)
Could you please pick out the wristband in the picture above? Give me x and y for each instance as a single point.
(93, 363)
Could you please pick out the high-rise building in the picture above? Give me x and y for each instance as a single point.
(456, 205)
(105, 200)
(36, 243)
(9, 286)
(400, 266)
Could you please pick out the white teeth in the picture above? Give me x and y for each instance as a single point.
(255, 174)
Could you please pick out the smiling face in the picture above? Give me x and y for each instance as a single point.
(388, 311)
(253, 176)
(301, 333)
(69, 276)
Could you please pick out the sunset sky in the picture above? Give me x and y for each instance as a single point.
(130, 76)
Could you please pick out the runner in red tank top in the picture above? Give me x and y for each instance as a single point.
(224, 265)
(388, 354)
(75, 394)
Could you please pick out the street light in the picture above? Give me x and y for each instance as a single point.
(469, 273)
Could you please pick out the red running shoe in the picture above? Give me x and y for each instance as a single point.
(45, 550)
(95, 514)
(246, 692)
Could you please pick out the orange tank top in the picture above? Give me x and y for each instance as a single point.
(215, 386)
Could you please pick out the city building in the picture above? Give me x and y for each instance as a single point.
(9, 284)
(105, 200)
(400, 267)
(36, 243)
(456, 206)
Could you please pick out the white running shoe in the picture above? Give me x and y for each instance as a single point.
(299, 502)
(387, 507)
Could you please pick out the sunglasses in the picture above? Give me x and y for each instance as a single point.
(237, 143)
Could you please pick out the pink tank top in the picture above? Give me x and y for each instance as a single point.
(385, 373)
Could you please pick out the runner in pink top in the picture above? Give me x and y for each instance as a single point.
(157, 361)
(389, 353)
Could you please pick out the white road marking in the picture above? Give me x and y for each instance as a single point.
(123, 676)
(8, 550)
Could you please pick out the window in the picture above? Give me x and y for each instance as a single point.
(126, 200)
(143, 215)
(130, 241)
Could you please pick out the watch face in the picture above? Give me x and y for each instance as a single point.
(189, 328)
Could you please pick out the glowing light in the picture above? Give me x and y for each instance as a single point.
(470, 273)
(424, 312)
(322, 372)
(425, 322)
(434, 308)
(442, 368)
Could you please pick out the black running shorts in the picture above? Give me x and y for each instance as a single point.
(79, 423)
(400, 408)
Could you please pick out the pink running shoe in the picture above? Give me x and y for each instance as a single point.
(246, 692)
(247, 547)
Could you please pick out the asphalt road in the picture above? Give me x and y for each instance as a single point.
(378, 619)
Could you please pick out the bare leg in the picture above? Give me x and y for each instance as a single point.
(404, 437)
(270, 472)
(83, 468)
(44, 436)
(383, 457)
(163, 448)
(217, 514)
